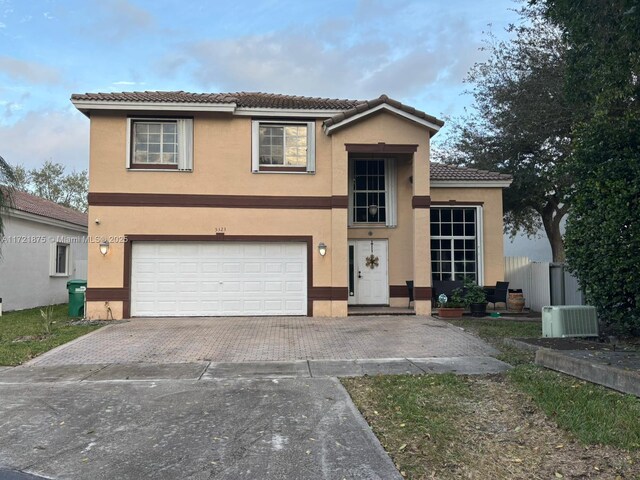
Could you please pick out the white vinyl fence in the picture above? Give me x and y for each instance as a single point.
(542, 283)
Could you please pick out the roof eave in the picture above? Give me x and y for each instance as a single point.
(44, 219)
(471, 183)
(86, 106)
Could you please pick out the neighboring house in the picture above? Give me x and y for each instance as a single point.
(44, 246)
(264, 204)
(536, 248)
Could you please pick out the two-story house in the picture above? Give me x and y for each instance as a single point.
(264, 204)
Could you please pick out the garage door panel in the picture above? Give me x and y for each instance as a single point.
(214, 278)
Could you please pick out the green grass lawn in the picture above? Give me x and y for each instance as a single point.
(502, 426)
(23, 333)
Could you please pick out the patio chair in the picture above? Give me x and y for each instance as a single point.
(410, 288)
(499, 294)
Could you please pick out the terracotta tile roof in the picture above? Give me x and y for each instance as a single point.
(368, 105)
(241, 99)
(442, 172)
(26, 202)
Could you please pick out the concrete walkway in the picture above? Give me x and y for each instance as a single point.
(203, 371)
(267, 339)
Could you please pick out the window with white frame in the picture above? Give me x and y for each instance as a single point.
(160, 144)
(372, 192)
(283, 146)
(60, 259)
(455, 243)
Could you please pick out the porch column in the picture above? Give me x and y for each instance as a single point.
(339, 234)
(421, 232)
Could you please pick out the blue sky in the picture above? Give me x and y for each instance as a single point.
(417, 52)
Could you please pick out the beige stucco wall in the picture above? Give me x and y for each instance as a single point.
(222, 166)
(491, 199)
(222, 162)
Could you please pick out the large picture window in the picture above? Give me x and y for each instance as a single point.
(454, 243)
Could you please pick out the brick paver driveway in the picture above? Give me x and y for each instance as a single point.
(257, 339)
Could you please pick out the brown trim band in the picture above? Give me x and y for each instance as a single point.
(421, 201)
(380, 148)
(112, 294)
(398, 291)
(422, 293)
(456, 202)
(340, 201)
(215, 201)
(328, 293)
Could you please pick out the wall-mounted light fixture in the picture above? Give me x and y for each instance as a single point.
(322, 249)
(104, 247)
(373, 209)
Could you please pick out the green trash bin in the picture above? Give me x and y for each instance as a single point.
(77, 289)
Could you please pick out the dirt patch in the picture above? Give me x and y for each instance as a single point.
(514, 439)
(493, 431)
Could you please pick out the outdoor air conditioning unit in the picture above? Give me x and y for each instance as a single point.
(569, 321)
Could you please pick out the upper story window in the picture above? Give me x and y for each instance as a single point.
(372, 192)
(283, 146)
(160, 144)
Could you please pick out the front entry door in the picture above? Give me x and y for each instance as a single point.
(368, 272)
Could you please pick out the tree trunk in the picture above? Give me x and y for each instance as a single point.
(551, 218)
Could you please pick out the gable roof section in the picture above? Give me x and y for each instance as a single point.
(453, 176)
(25, 202)
(383, 102)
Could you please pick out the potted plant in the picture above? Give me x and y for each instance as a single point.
(476, 298)
(451, 307)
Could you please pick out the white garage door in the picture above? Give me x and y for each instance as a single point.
(218, 278)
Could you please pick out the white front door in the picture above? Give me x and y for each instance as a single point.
(368, 272)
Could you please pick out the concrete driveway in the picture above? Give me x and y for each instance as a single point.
(266, 339)
(233, 429)
(217, 398)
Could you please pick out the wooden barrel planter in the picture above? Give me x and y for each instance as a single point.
(515, 302)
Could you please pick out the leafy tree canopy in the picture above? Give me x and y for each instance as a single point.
(603, 231)
(521, 124)
(51, 182)
(7, 179)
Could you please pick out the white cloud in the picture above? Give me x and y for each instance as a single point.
(61, 136)
(349, 57)
(31, 72)
(126, 82)
(120, 19)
